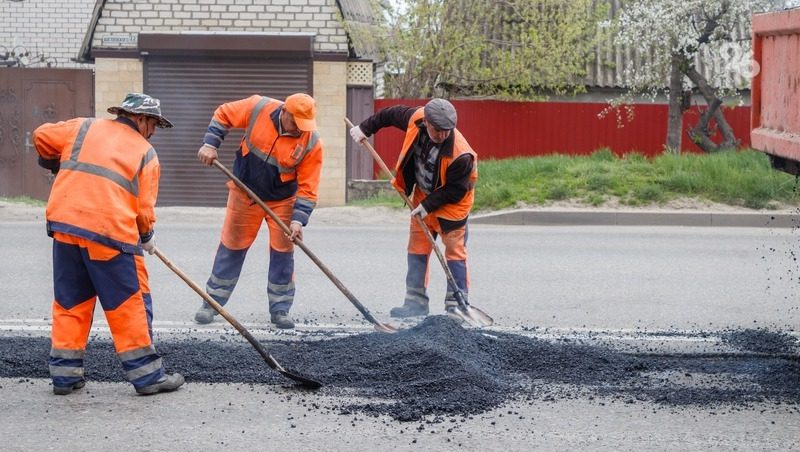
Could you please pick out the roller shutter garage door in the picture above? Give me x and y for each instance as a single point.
(190, 89)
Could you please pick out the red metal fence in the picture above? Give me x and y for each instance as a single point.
(500, 130)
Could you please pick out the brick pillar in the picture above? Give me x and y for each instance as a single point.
(114, 78)
(330, 93)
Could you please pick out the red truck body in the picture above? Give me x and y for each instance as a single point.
(775, 89)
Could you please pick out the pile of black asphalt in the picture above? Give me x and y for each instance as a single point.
(438, 369)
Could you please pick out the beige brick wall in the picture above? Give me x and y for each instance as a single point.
(330, 92)
(115, 77)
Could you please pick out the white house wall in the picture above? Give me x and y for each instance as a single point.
(52, 30)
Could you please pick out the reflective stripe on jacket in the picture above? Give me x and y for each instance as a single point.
(107, 185)
(274, 166)
(450, 211)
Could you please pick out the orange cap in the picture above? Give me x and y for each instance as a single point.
(303, 109)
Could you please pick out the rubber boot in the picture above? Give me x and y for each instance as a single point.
(409, 309)
(169, 383)
(205, 314)
(64, 390)
(281, 320)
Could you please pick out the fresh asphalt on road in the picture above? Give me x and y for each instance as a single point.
(672, 291)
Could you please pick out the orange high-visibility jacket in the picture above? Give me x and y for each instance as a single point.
(107, 185)
(274, 166)
(452, 211)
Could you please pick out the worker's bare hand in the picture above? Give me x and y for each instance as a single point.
(207, 155)
(297, 231)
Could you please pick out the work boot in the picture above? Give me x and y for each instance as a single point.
(205, 314)
(64, 390)
(281, 320)
(169, 383)
(409, 309)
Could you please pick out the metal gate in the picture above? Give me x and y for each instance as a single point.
(360, 106)
(190, 89)
(30, 97)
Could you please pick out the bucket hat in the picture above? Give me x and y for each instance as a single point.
(142, 104)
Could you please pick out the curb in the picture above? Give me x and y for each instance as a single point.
(644, 218)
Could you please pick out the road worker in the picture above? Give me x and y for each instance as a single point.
(101, 216)
(279, 159)
(437, 169)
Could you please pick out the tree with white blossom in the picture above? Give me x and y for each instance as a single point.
(673, 37)
(510, 49)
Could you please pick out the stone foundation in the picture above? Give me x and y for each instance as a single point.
(362, 189)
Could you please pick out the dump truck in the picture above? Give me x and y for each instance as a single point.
(775, 88)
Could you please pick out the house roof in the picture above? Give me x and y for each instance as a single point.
(115, 24)
(360, 17)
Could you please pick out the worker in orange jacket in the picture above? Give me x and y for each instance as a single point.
(100, 215)
(280, 159)
(437, 169)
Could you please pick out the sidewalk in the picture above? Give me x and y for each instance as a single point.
(632, 217)
(552, 216)
(548, 216)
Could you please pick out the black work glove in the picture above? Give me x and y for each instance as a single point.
(52, 164)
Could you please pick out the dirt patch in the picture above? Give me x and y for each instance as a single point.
(675, 205)
(10, 211)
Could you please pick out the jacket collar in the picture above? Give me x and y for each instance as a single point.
(128, 122)
(446, 148)
(275, 116)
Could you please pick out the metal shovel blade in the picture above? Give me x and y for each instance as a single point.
(461, 316)
(479, 317)
(471, 314)
(304, 382)
(385, 327)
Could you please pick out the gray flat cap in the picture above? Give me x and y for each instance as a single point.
(441, 114)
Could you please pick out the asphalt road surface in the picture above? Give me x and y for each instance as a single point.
(671, 291)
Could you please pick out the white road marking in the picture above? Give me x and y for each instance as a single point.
(9, 327)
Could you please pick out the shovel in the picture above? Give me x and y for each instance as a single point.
(305, 382)
(381, 327)
(469, 314)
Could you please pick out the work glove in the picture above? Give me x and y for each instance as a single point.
(419, 210)
(149, 243)
(357, 134)
(51, 164)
